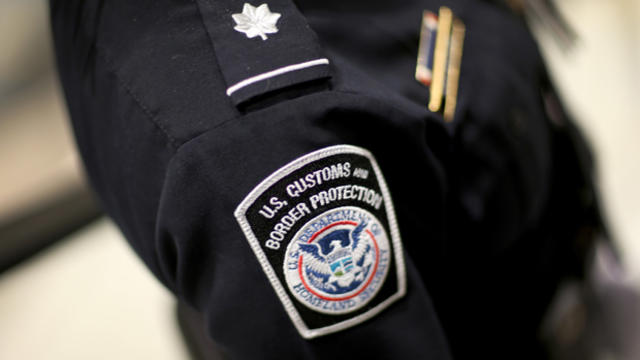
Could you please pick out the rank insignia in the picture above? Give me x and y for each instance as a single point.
(256, 21)
(439, 58)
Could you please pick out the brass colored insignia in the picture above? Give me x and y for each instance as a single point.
(445, 17)
(453, 72)
(439, 59)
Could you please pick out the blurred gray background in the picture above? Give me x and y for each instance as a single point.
(88, 297)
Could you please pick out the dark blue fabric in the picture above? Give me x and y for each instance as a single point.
(240, 58)
(478, 201)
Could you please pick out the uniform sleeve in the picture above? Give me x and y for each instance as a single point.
(283, 210)
(258, 256)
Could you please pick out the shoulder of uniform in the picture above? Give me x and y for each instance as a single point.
(262, 47)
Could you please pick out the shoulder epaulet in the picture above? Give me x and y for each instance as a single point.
(262, 47)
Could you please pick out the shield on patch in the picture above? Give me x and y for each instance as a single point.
(342, 266)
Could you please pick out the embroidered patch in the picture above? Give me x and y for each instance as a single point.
(256, 21)
(324, 230)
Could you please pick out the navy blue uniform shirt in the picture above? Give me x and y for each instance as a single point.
(278, 169)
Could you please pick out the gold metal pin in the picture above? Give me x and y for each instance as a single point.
(445, 18)
(453, 71)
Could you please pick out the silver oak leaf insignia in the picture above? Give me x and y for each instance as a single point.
(256, 21)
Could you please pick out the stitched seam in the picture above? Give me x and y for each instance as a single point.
(235, 118)
(205, 132)
(145, 110)
(167, 279)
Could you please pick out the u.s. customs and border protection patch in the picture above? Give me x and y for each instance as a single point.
(324, 230)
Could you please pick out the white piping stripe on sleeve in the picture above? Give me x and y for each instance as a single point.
(276, 72)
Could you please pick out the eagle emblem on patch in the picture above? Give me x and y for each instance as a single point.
(338, 261)
(323, 228)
